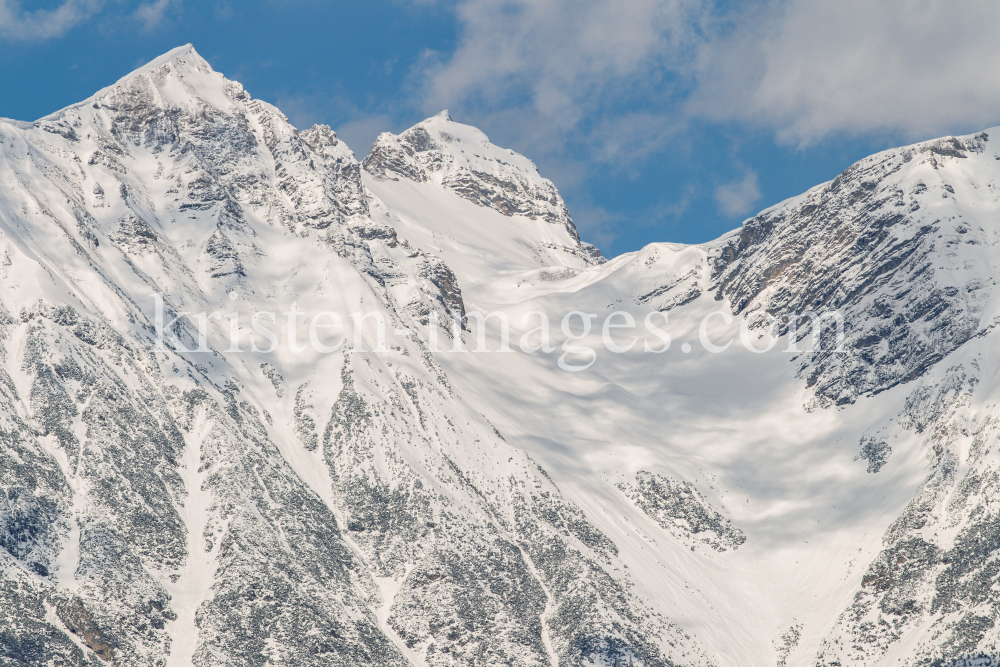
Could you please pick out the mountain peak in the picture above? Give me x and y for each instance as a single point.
(183, 58)
(183, 54)
(462, 159)
(439, 149)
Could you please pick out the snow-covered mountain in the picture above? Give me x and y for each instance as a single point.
(296, 489)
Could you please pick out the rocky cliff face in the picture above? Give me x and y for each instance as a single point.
(891, 243)
(337, 500)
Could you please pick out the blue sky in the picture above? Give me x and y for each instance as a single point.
(659, 120)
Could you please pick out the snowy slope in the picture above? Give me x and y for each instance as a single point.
(336, 501)
(506, 228)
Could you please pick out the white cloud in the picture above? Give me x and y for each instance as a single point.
(738, 197)
(813, 68)
(805, 69)
(561, 64)
(559, 53)
(17, 24)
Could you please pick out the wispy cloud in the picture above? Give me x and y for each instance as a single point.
(152, 14)
(598, 225)
(556, 54)
(360, 133)
(574, 70)
(223, 10)
(738, 197)
(40, 24)
(631, 136)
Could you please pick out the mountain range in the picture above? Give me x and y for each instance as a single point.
(262, 403)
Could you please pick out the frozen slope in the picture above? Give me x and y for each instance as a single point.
(340, 502)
